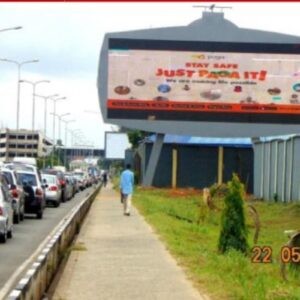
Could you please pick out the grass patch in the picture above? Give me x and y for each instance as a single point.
(191, 233)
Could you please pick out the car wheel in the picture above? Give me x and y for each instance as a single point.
(57, 204)
(3, 238)
(17, 218)
(9, 234)
(39, 215)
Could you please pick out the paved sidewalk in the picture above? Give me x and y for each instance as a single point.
(123, 260)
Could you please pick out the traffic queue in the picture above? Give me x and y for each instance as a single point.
(26, 190)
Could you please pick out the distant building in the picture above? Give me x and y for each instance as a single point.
(81, 152)
(24, 143)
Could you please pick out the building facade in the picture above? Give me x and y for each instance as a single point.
(23, 143)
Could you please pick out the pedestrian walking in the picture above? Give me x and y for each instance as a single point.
(126, 186)
(104, 178)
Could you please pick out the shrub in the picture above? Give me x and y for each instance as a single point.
(233, 233)
(218, 190)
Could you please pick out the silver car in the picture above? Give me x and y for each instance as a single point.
(53, 189)
(17, 193)
(6, 212)
(35, 202)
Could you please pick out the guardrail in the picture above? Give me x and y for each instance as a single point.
(37, 279)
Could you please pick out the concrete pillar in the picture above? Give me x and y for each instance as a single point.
(220, 164)
(174, 168)
(153, 160)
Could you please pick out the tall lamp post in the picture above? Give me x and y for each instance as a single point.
(19, 65)
(34, 84)
(45, 109)
(66, 138)
(54, 113)
(73, 132)
(60, 119)
(59, 127)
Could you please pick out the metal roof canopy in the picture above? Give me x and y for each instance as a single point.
(212, 27)
(192, 140)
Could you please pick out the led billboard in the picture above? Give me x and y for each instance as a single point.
(115, 145)
(203, 81)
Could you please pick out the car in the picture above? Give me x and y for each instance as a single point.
(35, 202)
(17, 192)
(62, 180)
(71, 180)
(81, 179)
(53, 189)
(6, 211)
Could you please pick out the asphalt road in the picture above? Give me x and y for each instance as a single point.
(29, 234)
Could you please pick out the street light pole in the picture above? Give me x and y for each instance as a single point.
(59, 122)
(19, 65)
(66, 139)
(34, 84)
(75, 132)
(66, 129)
(54, 113)
(45, 109)
(59, 128)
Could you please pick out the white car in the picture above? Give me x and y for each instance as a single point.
(16, 190)
(6, 212)
(53, 189)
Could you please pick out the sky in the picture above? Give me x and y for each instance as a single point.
(66, 38)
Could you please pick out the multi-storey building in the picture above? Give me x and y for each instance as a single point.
(24, 143)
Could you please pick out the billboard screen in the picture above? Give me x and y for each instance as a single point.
(203, 81)
(115, 145)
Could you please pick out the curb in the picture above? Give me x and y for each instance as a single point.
(39, 275)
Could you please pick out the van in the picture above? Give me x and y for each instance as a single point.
(25, 160)
(60, 168)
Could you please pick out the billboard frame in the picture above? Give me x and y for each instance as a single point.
(105, 144)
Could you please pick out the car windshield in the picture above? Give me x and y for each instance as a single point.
(80, 174)
(26, 177)
(50, 179)
(57, 173)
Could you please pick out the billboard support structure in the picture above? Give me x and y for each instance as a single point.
(153, 160)
(212, 77)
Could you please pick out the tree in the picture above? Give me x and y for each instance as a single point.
(47, 161)
(135, 136)
(233, 233)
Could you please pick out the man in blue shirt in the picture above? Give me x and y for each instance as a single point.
(126, 186)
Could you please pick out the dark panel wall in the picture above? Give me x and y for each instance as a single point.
(197, 166)
(239, 161)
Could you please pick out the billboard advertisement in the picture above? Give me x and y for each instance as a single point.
(115, 145)
(203, 81)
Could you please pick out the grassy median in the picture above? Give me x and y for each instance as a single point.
(191, 233)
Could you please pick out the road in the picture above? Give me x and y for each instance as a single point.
(29, 234)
